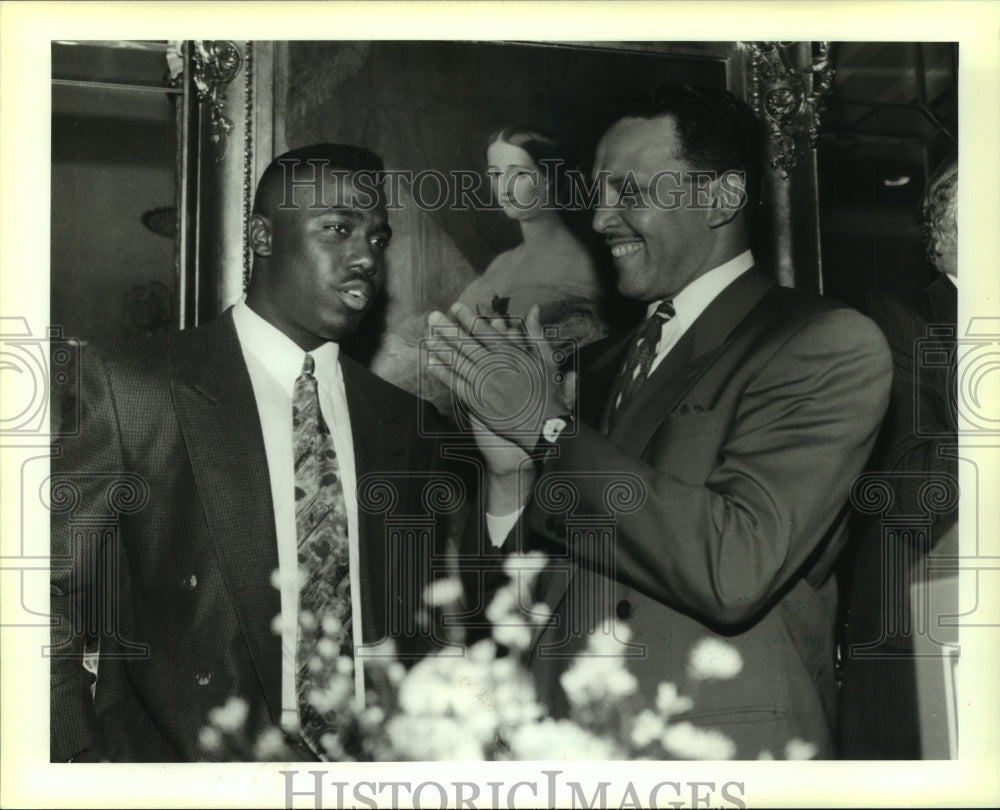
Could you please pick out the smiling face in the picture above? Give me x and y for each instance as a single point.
(658, 248)
(515, 180)
(320, 260)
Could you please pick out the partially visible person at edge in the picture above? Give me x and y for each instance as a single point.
(918, 447)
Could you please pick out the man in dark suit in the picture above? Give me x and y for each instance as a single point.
(707, 497)
(916, 454)
(246, 553)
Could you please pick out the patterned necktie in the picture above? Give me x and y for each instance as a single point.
(323, 557)
(640, 358)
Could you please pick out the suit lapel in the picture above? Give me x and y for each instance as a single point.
(218, 418)
(699, 347)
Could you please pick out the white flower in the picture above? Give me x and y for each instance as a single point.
(231, 717)
(597, 680)
(471, 692)
(326, 648)
(648, 726)
(432, 739)
(380, 655)
(307, 620)
(765, 755)
(669, 702)
(270, 745)
(423, 690)
(332, 745)
(345, 665)
(712, 658)
(686, 741)
(483, 651)
(331, 625)
(443, 592)
(277, 625)
(371, 718)
(515, 636)
(523, 569)
(504, 669)
(531, 563)
(612, 642)
(210, 738)
(560, 739)
(541, 612)
(276, 579)
(800, 749)
(397, 672)
(515, 699)
(334, 697)
(503, 605)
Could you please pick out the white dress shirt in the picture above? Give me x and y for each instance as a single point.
(694, 299)
(275, 362)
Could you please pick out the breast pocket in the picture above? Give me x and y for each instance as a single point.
(687, 446)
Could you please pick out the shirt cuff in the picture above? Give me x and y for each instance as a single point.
(499, 526)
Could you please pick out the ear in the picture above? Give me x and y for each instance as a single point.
(260, 235)
(729, 195)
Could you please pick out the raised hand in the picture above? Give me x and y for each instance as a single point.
(504, 375)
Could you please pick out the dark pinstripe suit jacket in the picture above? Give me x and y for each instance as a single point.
(163, 542)
(918, 443)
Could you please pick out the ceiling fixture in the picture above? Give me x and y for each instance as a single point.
(897, 181)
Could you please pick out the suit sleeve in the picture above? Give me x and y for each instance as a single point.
(82, 460)
(722, 549)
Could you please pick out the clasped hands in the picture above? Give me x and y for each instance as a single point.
(504, 377)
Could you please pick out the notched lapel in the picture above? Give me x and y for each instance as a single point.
(217, 413)
(704, 342)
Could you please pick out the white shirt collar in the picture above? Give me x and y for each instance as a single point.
(277, 353)
(690, 302)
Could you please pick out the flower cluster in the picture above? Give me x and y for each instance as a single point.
(479, 702)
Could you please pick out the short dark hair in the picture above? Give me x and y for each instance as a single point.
(335, 155)
(715, 129)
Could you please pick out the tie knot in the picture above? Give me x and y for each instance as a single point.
(308, 365)
(665, 310)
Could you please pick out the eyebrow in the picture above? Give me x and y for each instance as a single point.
(355, 215)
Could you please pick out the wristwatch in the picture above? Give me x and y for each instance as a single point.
(552, 429)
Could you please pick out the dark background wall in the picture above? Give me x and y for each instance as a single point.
(112, 161)
(891, 118)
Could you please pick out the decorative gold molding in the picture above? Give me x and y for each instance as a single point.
(215, 63)
(788, 85)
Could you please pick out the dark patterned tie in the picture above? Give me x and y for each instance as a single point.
(323, 558)
(640, 358)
